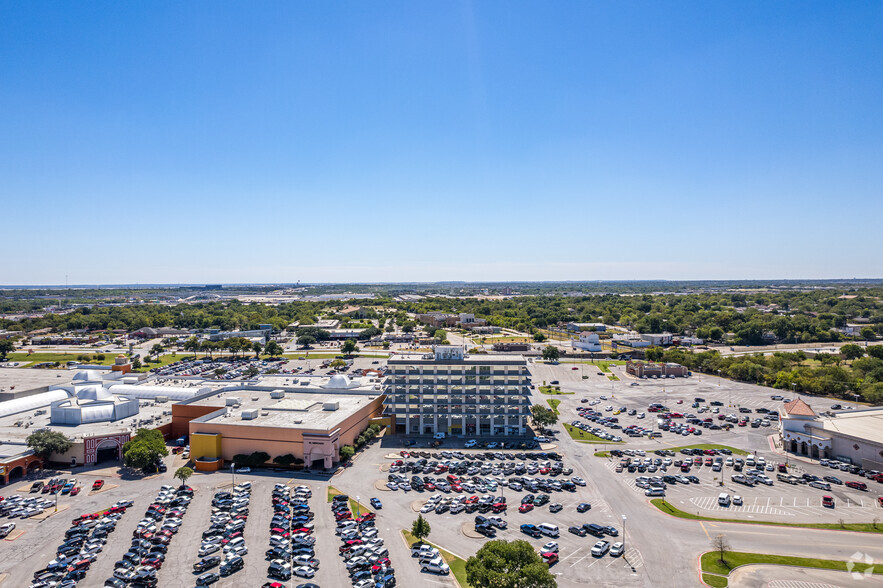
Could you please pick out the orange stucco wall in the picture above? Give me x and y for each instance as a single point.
(182, 414)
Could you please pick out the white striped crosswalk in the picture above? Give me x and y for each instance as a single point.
(798, 584)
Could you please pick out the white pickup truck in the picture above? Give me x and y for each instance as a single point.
(437, 566)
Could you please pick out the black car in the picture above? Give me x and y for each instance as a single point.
(486, 530)
(583, 507)
(206, 563)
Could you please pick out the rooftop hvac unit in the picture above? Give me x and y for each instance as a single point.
(331, 405)
(248, 415)
(162, 399)
(255, 398)
(232, 401)
(277, 394)
(265, 413)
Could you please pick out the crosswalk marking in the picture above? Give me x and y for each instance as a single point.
(798, 584)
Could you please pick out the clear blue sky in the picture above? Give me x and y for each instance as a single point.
(396, 141)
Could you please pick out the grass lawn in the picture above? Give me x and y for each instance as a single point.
(668, 508)
(711, 563)
(554, 402)
(62, 358)
(584, 437)
(715, 581)
(354, 506)
(457, 564)
(697, 446)
(552, 390)
(613, 378)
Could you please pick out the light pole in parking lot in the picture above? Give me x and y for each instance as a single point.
(623, 534)
(233, 471)
(357, 506)
(718, 378)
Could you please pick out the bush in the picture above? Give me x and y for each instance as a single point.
(347, 452)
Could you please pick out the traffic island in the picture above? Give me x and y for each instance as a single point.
(381, 485)
(417, 505)
(50, 512)
(104, 488)
(468, 529)
(456, 563)
(715, 571)
(14, 535)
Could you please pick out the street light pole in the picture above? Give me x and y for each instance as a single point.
(623, 534)
(233, 472)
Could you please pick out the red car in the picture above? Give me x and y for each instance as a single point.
(499, 507)
(525, 507)
(828, 501)
(97, 484)
(75, 490)
(550, 558)
(857, 485)
(880, 500)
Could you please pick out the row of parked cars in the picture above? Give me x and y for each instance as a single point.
(57, 486)
(223, 543)
(151, 538)
(83, 541)
(292, 544)
(23, 507)
(364, 555)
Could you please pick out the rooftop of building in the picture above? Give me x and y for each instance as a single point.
(295, 410)
(28, 379)
(468, 359)
(799, 408)
(863, 424)
(13, 450)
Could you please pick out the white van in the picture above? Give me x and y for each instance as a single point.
(723, 499)
(547, 529)
(820, 485)
(438, 436)
(654, 491)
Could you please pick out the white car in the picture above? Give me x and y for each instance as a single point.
(428, 507)
(208, 549)
(392, 485)
(550, 546)
(243, 470)
(641, 415)
(608, 408)
(303, 571)
(737, 500)
(617, 549)
(470, 443)
(600, 548)
(578, 481)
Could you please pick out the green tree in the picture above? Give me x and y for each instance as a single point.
(220, 372)
(868, 334)
(347, 452)
(192, 345)
(183, 473)
(542, 416)
(6, 346)
(349, 347)
(251, 371)
(875, 351)
(337, 363)
(551, 353)
(145, 449)
(256, 347)
(851, 351)
(156, 349)
(306, 341)
(654, 353)
(420, 529)
(284, 460)
(508, 564)
(539, 337)
(273, 349)
(46, 442)
(136, 364)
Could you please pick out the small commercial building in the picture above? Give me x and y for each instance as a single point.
(580, 327)
(588, 341)
(643, 369)
(657, 338)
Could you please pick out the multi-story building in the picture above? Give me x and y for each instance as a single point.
(450, 392)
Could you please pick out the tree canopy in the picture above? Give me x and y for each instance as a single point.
(46, 442)
(145, 449)
(551, 353)
(508, 564)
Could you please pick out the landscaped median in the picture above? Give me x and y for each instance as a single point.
(554, 402)
(552, 390)
(733, 450)
(457, 564)
(715, 573)
(586, 437)
(674, 511)
(354, 505)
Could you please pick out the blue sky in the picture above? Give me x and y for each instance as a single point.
(400, 141)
